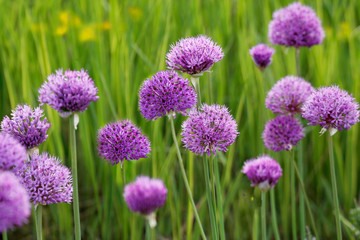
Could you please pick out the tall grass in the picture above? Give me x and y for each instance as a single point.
(129, 44)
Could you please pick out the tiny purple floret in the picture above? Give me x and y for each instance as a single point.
(12, 153)
(262, 55)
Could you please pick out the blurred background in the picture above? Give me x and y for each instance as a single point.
(121, 43)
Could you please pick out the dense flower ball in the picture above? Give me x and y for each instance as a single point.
(331, 108)
(193, 55)
(15, 207)
(282, 132)
(26, 125)
(46, 180)
(122, 140)
(262, 55)
(209, 129)
(166, 92)
(288, 95)
(12, 153)
(296, 26)
(68, 92)
(145, 195)
(263, 172)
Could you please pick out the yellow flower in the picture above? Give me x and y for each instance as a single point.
(64, 17)
(61, 30)
(87, 34)
(105, 26)
(135, 13)
(345, 31)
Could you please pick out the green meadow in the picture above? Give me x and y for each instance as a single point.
(122, 43)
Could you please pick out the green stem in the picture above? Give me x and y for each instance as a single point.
(293, 197)
(212, 185)
(38, 221)
(196, 84)
(4, 235)
(263, 215)
(219, 201)
(273, 215)
(297, 60)
(75, 179)
(334, 188)
(187, 186)
(306, 199)
(123, 175)
(148, 231)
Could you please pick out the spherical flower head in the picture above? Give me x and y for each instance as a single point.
(331, 108)
(166, 92)
(288, 95)
(145, 195)
(121, 141)
(12, 153)
(46, 180)
(27, 125)
(209, 129)
(296, 26)
(15, 207)
(193, 55)
(282, 132)
(263, 172)
(68, 92)
(262, 55)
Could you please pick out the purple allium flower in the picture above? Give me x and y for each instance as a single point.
(12, 153)
(263, 172)
(68, 92)
(296, 26)
(288, 95)
(166, 92)
(46, 180)
(122, 140)
(26, 125)
(193, 55)
(209, 129)
(15, 206)
(262, 55)
(145, 195)
(282, 132)
(331, 108)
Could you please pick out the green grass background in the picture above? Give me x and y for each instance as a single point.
(36, 39)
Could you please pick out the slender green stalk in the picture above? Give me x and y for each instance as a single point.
(187, 186)
(306, 198)
(293, 197)
(75, 179)
(334, 188)
(4, 235)
(196, 84)
(38, 221)
(212, 185)
(219, 201)
(148, 232)
(123, 175)
(263, 215)
(273, 215)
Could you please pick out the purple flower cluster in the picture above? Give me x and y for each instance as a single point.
(166, 92)
(263, 172)
(145, 195)
(288, 95)
(68, 92)
(331, 107)
(12, 153)
(282, 132)
(26, 125)
(46, 180)
(296, 26)
(15, 206)
(209, 129)
(122, 140)
(194, 55)
(262, 55)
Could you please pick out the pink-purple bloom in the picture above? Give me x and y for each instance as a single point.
(262, 55)
(121, 141)
(282, 132)
(209, 129)
(263, 172)
(68, 92)
(12, 153)
(15, 207)
(288, 95)
(145, 195)
(27, 125)
(193, 55)
(331, 108)
(46, 180)
(296, 25)
(165, 93)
